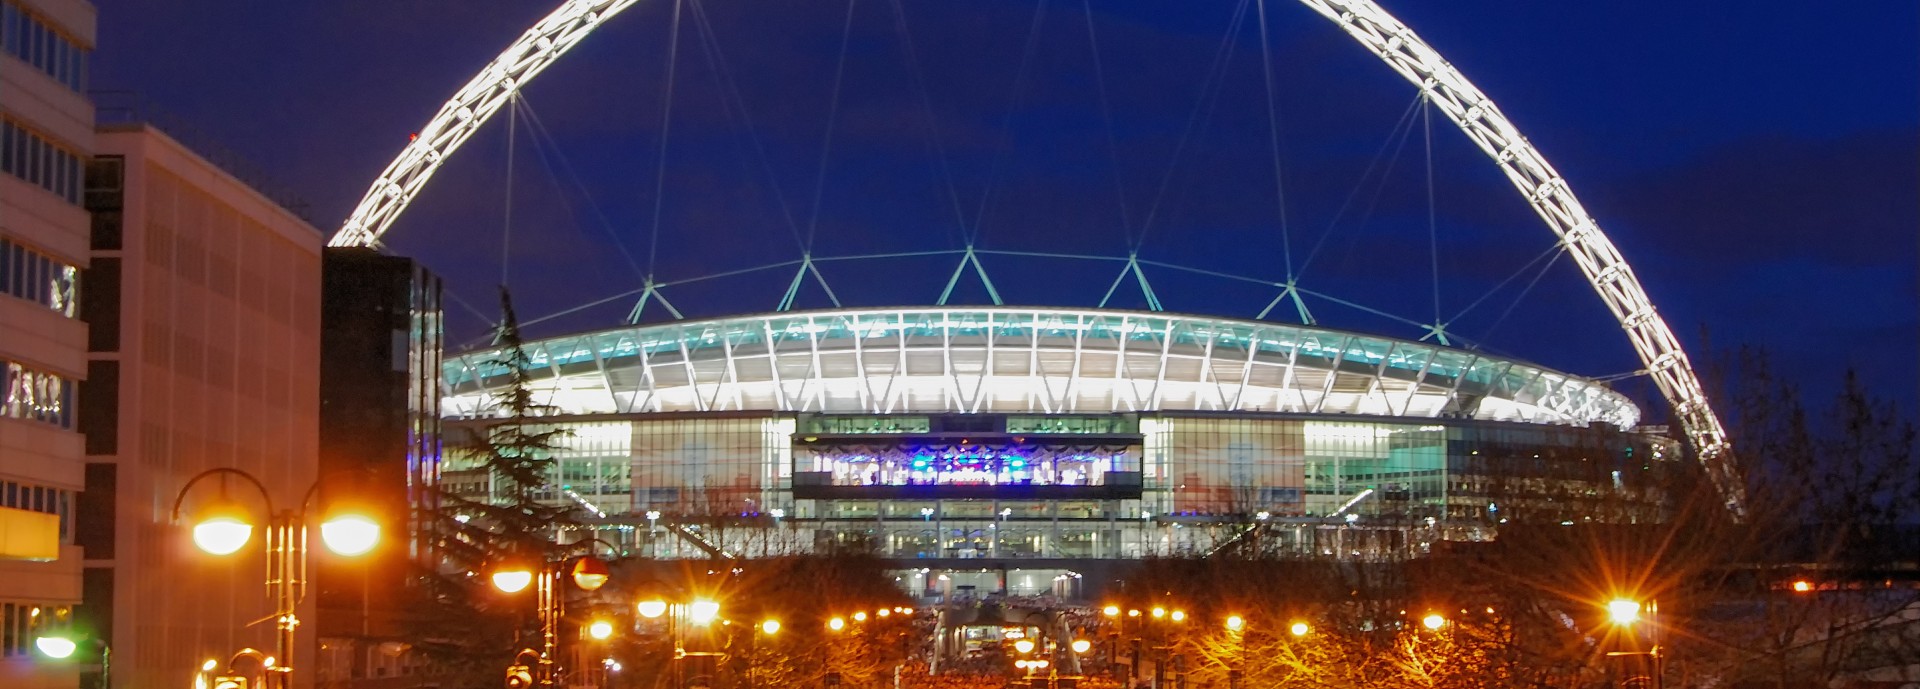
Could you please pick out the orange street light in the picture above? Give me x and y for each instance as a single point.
(1236, 623)
(1624, 612)
(1111, 611)
(1434, 621)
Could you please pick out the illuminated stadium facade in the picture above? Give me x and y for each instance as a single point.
(1040, 440)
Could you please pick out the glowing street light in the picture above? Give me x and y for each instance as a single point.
(349, 534)
(1159, 612)
(770, 627)
(837, 623)
(651, 608)
(222, 526)
(1236, 623)
(702, 611)
(1111, 611)
(55, 646)
(860, 616)
(590, 573)
(222, 535)
(1179, 615)
(1023, 645)
(1623, 612)
(600, 630)
(1081, 645)
(512, 579)
(1434, 621)
(1299, 629)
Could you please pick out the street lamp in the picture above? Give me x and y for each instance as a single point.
(1624, 613)
(222, 527)
(1299, 629)
(1434, 621)
(587, 572)
(60, 647)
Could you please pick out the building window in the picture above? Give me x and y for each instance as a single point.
(36, 396)
(38, 278)
(37, 43)
(43, 499)
(21, 622)
(41, 162)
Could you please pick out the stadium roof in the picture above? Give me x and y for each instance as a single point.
(1024, 360)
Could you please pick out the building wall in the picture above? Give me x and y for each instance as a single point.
(215, 363)
(46, 134)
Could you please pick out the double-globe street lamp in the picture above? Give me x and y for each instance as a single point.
(587, 572)
(223, 525)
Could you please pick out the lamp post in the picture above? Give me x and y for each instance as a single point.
(689, 612)
(1624, 613)
(222, 527)
(61, 647)
(587, 572)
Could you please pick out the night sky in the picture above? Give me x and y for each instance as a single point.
(1756, 162)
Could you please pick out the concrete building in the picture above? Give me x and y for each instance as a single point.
(205, 315)
(46, 135)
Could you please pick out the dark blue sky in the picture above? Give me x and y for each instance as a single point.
(1756, 162)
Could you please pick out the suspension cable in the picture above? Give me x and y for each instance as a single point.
(1006, 123)
(666, 129)
(1273, 137)
(934, 141)
(1396, 134)
(506, 224)
(539, 131)
(1433, 219)
(717, 61)
(1208, 87)
(833, 115)
(1106, 118)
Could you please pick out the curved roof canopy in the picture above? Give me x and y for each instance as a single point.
(1024, 360)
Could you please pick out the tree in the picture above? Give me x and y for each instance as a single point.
(467, 631)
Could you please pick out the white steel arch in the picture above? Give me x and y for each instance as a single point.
(1443, 85)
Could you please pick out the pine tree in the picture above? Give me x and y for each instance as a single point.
(465, 629)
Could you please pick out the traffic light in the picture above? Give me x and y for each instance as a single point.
(518, 677)
(229, 682)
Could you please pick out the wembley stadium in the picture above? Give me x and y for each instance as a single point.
(1009, 449)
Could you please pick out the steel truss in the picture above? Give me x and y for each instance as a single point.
(1364, 20)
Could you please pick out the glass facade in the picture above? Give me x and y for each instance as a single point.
(1347, 487)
